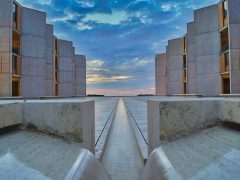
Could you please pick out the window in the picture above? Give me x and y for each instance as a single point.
(225, 9)
(226, 61)
(15, 12)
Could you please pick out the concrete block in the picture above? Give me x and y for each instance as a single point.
(169, 120)
(72, 120)
(87, 167)
(10, 114)
(159, 167)
(230, 111)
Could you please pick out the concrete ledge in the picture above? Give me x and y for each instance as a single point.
(169, 120)
(230, 95)
(87, 167)
(159, 167)
(188, 95)
(72, 120)
(230, 111)
(10, 114)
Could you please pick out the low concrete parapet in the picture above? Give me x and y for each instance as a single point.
(169, 120)
(74, 121)
(230, 111)
(10, 114)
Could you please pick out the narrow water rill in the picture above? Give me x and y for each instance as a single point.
(121, 158)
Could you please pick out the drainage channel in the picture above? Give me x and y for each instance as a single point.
(122, 158)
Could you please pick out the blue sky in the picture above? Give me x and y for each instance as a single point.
(119, 37)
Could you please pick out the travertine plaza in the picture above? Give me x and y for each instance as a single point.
(34, 62)
(205, 61)
(128, 137)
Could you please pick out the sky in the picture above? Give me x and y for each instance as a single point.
(119, 37)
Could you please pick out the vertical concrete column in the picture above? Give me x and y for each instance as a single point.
(6, 47)
(161, 74)
(80, 75)
(175, 66)
(33, 52)
(207, 48)
(191, 60)
(49, 75)
(234, 44)
(66, 58)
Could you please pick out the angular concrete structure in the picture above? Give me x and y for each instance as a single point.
(80, 75)
(174, 67)
(207, 46)
(29, 64)
(161, 74)
(211, 52)
(191, 60)
(66, 58)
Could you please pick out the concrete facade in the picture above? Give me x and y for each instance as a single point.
(234, 45)
(5, 44)
(212, 53)
(80, 75)
(174, 67)
(161, 74)
(27, 56)
(191, 60)
(66, 58)
(207, 46)
(33, 53)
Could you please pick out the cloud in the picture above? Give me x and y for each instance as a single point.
(47, 2)
(114, 18)
(117, 92)
(99, 79)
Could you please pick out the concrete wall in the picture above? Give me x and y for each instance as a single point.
(175, 67)
(10, 114)
(234, 44)
(207, 48)
(33, 53)
(66, 59)
(161, 74)
(169, 120)
(80, 75)
(5, 48)
(72, 120)
(49, 74)
(191, 60)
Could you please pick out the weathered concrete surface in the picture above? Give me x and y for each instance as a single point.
(230, 111)
(174, 67)
(211, 154)
(169, 120)
(161, 74)
(234, 44)
(49, 69)
(66, 59)
(72, 120)
(10, 114)
(5, 50)
(31, 155)
(207, 47)
(191, 60)
(33, 48)
(121, 158)
(80, 75)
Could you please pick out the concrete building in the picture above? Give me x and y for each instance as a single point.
(161, 74)
(33, 61)
(209, 62)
